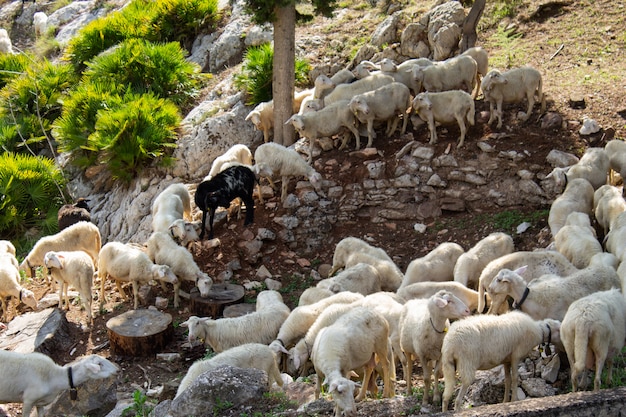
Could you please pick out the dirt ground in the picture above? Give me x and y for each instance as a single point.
(591, 65)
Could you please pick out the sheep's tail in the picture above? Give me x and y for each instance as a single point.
(471, 112)
(581, 340)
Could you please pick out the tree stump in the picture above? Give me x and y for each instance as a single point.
(141, 332)
(238, 310)
(220, 296)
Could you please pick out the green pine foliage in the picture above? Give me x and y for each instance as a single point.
(12, 66)
(29, 194)
(30, 103)
(257, 71)
(145, 67)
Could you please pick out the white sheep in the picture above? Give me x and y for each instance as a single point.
(594, 166)
(262, 326)
(313, 295)
(6, 47)
(40, 23)
(616, 150)
(512, 87)
(445, 107)
(10, 287)
(236, 154)
(615, 240)
(173, 203)
(436, 265)
(403, 73)
(302, 318)
(348, 344)
(323, 84)
(272, 159)
(577, 240)
(75, 269)
(608, 203)
(7, 253)
(538, 263)
(481, 57)
(35, 380)
(592, 332)
(249, 355)
(457, 73)
(347, 246)
(262, 117)
(483, 342)
(362, 278)
(126, 263)
(163, 250)
(83, 236)
(428, 289)
(347, 91)
(471, 263)
(333, 119)
(390, 275)
(387, 103)
(577, 197)
(423, 325)
(550, 295)
(185, 232)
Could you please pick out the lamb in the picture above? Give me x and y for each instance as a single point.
(423, 325)
(262, 326)
(83, 236)
(428, 289)
(219, 191)
(35, 380)
(7, 253)
(126, 263)
(329, 121)
(361, 278)
(594, 327)
(272, 159)
(40, 23)
(483, 342)
(549, 296)
(6, 47)
(577, 197)
(386, 103)
(537, 262)
(347, 246)
(73, 268)
(173, 203)
(249, 355)
(236, 154)
(594, 166)
(10, 287)
(471, 263)
(352, 342)
(302, 317)
(481, 57)
(347, 91)
(437, 265)
(162, 250)
(577, 240)
(70, 214)
(608, 203)
(445, 107)
(262, 117)
(457, 73)
(512, 87)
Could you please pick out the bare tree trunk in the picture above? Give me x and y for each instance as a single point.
(469, 26)
(284, 73)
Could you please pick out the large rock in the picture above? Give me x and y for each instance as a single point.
(44, 331)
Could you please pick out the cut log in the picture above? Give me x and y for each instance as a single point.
(142, 332)
(237, 310)
(220, 296)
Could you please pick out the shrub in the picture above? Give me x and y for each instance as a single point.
(30, 194)
(12, 66)
(257, 72)
(30, 103)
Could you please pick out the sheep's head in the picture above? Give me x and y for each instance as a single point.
(196, 329)
(312, 105)
(387, 65)
(422, 102)
(501, 284)
(450, 304)
(28, 298)
(164, 273)
(316, 180)
(492, 78)
(297, 122)
(53, 260)
(204, 284)
(255, 117)
(97, 367)
(358, 104)
(27, 268)
(299, 354)
(342, 391)
(322, 82)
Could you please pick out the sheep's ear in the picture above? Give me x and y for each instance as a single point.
(332, 387)
(282, 349)
(93, 367)
(441, 302)
(184, 324)
(521, 270)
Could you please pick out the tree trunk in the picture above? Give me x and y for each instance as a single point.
(284, 73)
(469, 26)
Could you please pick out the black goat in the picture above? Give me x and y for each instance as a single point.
(219, 191)
(73, 213)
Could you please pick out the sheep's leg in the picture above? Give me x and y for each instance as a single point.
(531, 103)
(4, 309)
(427, 369)
(600, 351)
(459, 399)
(60, 305)
(433, 131)
(407, 371)
(211, 218)
(461, 122)
(118, 284)
(499, 107)
(405, 122)
(370, 133)
(369, 369)
(203, 224)
(65, 287)
(436, 373)
(248, 200)
(135, 294)
(28, 407)
(508, 382)
(102, 297)
(283, 186)
(355, 132)
(266, 135)
(318, 386)
(311, 146)
(176, 294)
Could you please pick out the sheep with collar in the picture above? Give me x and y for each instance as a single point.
(423, 325)
(486, 341)
(594, 327)
(35, 380)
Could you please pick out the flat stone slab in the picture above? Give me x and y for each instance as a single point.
(43, 331)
